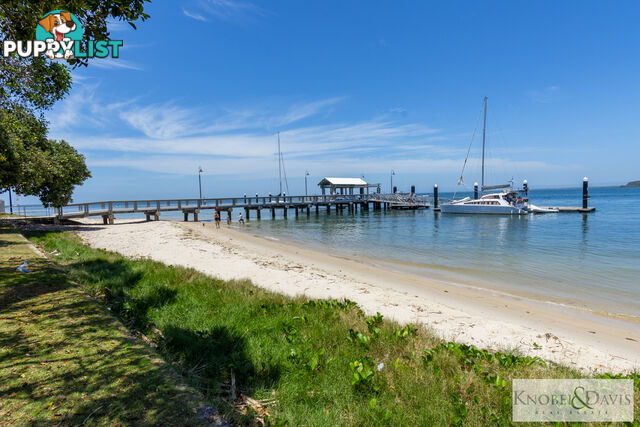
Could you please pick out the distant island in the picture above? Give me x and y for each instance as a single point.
(632, 184)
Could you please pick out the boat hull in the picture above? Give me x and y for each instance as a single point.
(481, 209)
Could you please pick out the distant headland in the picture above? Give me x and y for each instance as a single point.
(632, 184)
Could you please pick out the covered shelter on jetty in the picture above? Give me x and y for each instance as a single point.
(346, 186)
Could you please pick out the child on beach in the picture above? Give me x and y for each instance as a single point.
(240, 219)
(216, 216)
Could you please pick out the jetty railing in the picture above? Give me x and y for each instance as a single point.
(193, 205)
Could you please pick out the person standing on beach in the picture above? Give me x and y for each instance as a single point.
(240, 219)
(216, 217)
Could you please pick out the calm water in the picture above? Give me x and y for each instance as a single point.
(587, 260)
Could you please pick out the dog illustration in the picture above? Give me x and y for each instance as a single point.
(59, 25)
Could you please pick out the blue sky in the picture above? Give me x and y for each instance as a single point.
(358, 88)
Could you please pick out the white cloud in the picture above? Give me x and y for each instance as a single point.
(115, 63)
(545, 95)
(170, 138)
(194, 15)
(227, 10)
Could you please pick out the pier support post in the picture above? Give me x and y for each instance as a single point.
(195, 216)
(257, 213)
(585, 193)
(186, 216)
(308, 210)
(284, 211)
(273, 213)
(475, 190)
(317, 210)
(296, 211)
(435, 197)
(246, 213)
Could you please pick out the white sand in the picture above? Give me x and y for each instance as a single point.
(457, 312)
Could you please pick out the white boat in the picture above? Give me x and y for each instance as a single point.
(507, 202)
(540, 210)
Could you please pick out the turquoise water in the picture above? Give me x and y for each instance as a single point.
(585, 260)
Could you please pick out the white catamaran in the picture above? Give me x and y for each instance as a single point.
(507, 202)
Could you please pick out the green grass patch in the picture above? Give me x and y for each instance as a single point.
(65, 360)
(302, 362)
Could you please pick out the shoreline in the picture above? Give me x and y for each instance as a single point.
(461, 312)
(457, 276)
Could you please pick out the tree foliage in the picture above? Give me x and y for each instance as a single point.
(34, 165)
(31, 163)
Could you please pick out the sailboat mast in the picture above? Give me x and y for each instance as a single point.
(279, 164)
(484, 134)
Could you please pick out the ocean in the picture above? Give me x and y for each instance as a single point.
(589, 261)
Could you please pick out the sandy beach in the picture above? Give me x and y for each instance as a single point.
(461, 312)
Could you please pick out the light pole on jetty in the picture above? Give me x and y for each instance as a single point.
(392, 173)
(306, 174)
(200, 180)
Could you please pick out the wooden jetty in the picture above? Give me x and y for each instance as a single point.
(153, 208)
(401, 201)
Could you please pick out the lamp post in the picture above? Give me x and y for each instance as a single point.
(306, 174)
(200, 180)
(392, 173)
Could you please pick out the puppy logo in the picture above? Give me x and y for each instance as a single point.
(62, 27)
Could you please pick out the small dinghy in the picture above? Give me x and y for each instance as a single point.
(538, 209)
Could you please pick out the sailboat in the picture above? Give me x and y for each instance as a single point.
(281, 169)
(506, 202)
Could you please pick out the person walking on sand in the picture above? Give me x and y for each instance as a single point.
(240, 219)
(216, 217)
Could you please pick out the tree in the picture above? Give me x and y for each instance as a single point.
(31, 163)
(34, 165)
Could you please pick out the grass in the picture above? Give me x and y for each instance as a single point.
(259, 356)
(64, 359)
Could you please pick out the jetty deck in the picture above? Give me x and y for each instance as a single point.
(257, 204)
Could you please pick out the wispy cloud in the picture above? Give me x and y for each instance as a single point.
(228, 10)
(170, 138)
(194, 15)
(161, 121)
(545, 95)
(301, 111)
(116, 63)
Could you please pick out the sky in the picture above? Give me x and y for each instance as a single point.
(357, 88)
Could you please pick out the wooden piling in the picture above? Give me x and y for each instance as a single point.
(585, 193)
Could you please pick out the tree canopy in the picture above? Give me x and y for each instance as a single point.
(31, 163)
(34, 165)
